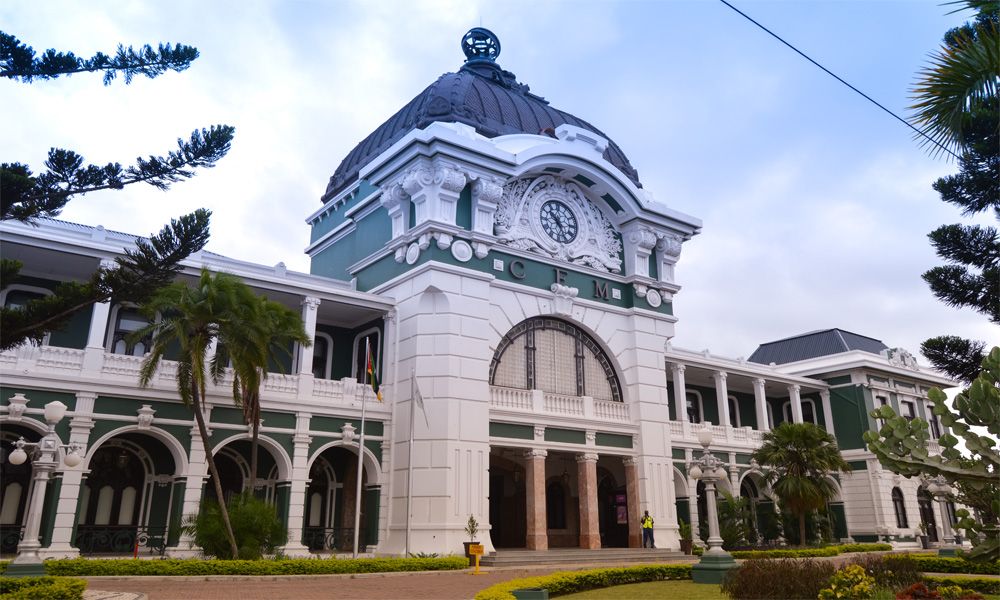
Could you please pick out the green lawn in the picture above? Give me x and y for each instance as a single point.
(660, 590)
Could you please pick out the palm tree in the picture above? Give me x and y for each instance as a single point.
(961, 78)
(191, 319)
(269, 330)
(801, 457)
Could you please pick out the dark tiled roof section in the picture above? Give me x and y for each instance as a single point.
(495, 104)
(812, 345)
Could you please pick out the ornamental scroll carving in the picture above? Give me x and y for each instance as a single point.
(517, 223)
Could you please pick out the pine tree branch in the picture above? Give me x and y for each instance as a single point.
(971, 245)
(18, 61)
(959, 358)
(153, 264)
(25, 197)
(957, 286)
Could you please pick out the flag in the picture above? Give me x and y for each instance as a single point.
(418, 399)
(372, 376)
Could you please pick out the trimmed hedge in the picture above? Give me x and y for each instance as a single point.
(41, 588)
(811, 552)
(800, 553)
(294, 566)
(979, 584)
(3, 565)
(568, 582)
(948, 564)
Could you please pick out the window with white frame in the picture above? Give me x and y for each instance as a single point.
(734, 412)
(322, 366)
(695, 410)
(932, 420)
(899, 506)
(808, 411)
(126, 320)
(908, 408)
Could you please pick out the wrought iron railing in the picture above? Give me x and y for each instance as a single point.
(318, 539)
(10, 537)
(117, 539)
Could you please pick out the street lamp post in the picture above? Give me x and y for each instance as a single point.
(708, 469)
(939, 488)
(44, 460)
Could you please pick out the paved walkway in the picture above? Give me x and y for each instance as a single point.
(436, 585)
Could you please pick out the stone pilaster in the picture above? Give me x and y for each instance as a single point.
(537, 537)
(680, 392)
(722, 394)
(796, 401)
(760, 400)
(632, 489)
(590, 528)
(297, 489)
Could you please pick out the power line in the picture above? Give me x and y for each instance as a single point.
(835, 76)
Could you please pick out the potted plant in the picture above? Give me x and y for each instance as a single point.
(924, 542)
(471, 528)
(686, 541)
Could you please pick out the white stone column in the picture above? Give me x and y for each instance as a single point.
(760, 399)
(722, 395)
(680, 392)
(72, 480)
(194, 482)
(796, 401)
(590, 528)
(824, 396)
(310, 308)
(93, 354)
(297, 490)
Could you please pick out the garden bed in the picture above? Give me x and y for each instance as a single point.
(41, 588)
(811, 552)
(568, 582)
(291, 566)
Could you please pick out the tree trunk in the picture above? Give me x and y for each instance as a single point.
(802, 528)
(254, 444)
(199, 417)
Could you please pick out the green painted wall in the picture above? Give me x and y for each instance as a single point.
(678, 453)
(278, 419)
(858, 465)
(49, 510)
(176, 513)
(327, 222)
(128, 407)
(343, 347)
(510, 430)
(613, 439)
(536, 274)
(370, 235)
(74, 333)
(839, 380)
(850, 415)
(372, 499)
(568, 436)
(463, 209)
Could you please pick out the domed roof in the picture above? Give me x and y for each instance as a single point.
(481, 95)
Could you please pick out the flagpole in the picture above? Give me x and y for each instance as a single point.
(409, 466)
(361, 450)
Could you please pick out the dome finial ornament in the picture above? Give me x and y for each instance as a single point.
(480, 43)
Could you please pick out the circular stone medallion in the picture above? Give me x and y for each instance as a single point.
(461, 250)
(412, 253)
(653, 298)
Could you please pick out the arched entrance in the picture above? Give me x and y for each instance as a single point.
(15, 486)
(612, 503)
(925, 503)
(330, 502)
(129, 498)
(508, 512)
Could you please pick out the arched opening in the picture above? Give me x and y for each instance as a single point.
(612, 503)
(925, 505)
(554, 356)
(899, 507)
(129, 497)
(508, 501)
(15, 486)
(330, 502)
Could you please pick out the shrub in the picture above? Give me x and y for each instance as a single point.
(41, 588)
(291, 566)
(791, 553)
(892, 570)
(256, 526)
(945, 564)
(850, 582)
(955, 592)
(568, 582)
(783, 578)
(917, 591)
(978, 584)
(844, 548)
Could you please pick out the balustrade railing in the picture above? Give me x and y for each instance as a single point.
(319, 539)
(122, 364)
(120, 539)
(54, 357)
(611, 411)
(566, 405)
(502, 397)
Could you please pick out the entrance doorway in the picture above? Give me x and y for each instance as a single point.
(925, 503)
(508, 503)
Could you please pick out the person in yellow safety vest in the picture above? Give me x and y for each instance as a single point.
(647, 530)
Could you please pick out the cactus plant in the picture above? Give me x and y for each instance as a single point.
(901, 446)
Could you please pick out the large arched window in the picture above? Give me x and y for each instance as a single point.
(554, 356)
(900, 507)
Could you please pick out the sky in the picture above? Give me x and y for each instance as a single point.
(816, 204)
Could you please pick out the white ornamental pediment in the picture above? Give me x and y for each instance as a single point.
(553, 217)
